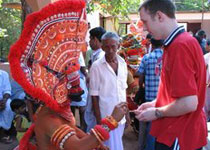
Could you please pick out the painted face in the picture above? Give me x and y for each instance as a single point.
(110, 47)
(151, 24)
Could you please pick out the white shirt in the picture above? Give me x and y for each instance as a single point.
(98, 54)
(81, 60)
(5, 87)
(207, 61)
(207, 102)
(110, 88)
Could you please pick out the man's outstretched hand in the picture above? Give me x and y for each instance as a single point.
(119, 111)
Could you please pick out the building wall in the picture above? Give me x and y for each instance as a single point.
(94, 19)
(109, 24)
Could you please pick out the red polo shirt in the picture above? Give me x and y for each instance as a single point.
(183, 74)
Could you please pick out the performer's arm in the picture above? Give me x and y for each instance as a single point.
(89, 142)
(68, 137)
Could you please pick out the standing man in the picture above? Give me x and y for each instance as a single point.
(95, 43)
(149, 76)
(108, 77)
(178, 119)
(98, 53)
(202, 37)
(148, 44)
(6, 114)
(81, 105)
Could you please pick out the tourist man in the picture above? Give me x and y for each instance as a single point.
(177, 115)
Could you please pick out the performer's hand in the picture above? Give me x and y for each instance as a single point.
(119, 111)
(147, 114)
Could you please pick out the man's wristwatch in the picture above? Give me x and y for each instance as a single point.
(158, 114)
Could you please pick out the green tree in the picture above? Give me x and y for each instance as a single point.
(192, 5)
(3, 33)
(119, 8)
(11, 25)
(124, 7)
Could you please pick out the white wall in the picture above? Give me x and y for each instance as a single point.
(109, 25)
(94, 19)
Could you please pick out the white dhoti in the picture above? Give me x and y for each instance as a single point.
(90, 118)
(115, 140)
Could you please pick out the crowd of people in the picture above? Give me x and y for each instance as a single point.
(174, 73)
(17, 109)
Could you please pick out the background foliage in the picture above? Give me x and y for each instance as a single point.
(123, 7)
(11, 25)
(115, 7)
(192, 5)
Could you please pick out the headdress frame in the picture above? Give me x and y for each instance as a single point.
(33, 20)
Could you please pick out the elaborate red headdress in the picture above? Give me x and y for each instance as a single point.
(44, 61)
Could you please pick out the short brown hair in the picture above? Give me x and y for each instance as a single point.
(165, 6)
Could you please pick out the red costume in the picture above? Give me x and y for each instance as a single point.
(44, 61)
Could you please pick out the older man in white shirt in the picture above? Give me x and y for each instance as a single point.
(108, 77)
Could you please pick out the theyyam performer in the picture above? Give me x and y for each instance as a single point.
(44, 61)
